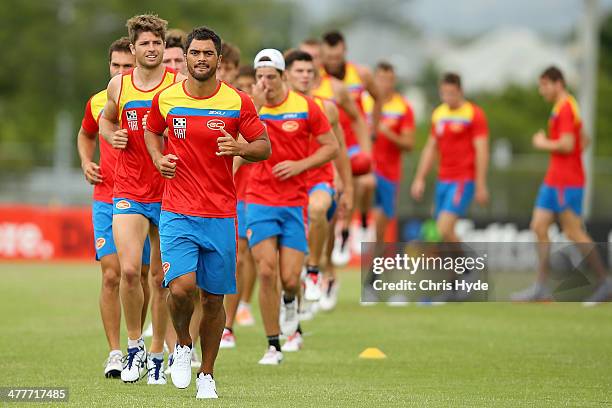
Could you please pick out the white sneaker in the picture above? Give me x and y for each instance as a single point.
(341, 255)
(155, 372)
(195, 359)
(289, 318)
(113, 366)
(205, 386)
(169, 366)
(329, 297)
(272, 357)
(228, 340)
(181, 366)
(312, 292)
(244, 317)
(134, 364)
(293, 343)
(148, 332)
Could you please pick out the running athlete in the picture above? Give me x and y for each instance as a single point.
(246, 79)
(277, 196)
(138, 190)
(562, 191)
(102, 178)
(300, 73)
(198, 221)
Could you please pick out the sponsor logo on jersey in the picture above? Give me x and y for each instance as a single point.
(100, 242)
(215, 124)
(290, 126)
(132, 119)
(179, 126)
(123, 205)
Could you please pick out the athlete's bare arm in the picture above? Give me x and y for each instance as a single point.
(481, 145)
(326, 152)
(404, 140)
(346, 102)
(564, 145)
(257, 150)
(342, 162)
(109, 120)
(86, 145)
(368, 81)
(428, 157)
(166, 164)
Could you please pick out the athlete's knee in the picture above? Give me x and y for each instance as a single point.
(317, 210)
(181, 291)
(576, 234)
(266, 270)
(130, 274)
(111, 277)
(212, 303)
(291, 282)
(368, 182)
(539, 228)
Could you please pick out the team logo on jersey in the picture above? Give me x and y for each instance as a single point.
(215, 124)
(456, 127)
(100, 242)
(179, 126)
(132, 119)
(166, 267)
(123, 205)
(290, 126)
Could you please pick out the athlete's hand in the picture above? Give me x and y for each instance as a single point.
(167, 165)
(228, 146)
(345, 203)
(92, 173)
(540, 140)
(120, 139)
(287, 169)
(482, 195)
(417, 189)
(259, 94)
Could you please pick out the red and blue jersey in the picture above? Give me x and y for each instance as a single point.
(136, 177)
(203, 185)
(290, 126)
(565, 169)
(397, 115)
(325, 172)
(455, 131)
(108, 156)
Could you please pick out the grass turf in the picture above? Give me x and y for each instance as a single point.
(492, 354)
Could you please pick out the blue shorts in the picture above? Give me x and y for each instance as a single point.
(323, 186)
(241, 218)
(559, 199)
(206, 246)
(102, 217)
(148, 210)
(288, 223)
(385, 196)
(453, 197)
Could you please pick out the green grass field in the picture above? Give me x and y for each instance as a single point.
(471, 355)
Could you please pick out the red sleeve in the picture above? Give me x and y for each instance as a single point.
(479, 124)
(250, 126)
(407, 121)
(89, 123)
(155, 121)
(317, 121)
(565, 120)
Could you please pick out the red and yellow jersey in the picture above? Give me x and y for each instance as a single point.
(565, 169)
(203, 185)
(136, 177)
(108, 156)
(455, 131)
(326, 91)
(353, 82)
(241, 179)
(290, 126)
(398, 116)
(325, 172)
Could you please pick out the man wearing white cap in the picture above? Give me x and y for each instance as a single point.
(277, 195)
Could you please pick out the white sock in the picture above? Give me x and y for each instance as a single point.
(115, 352)
(135, 343)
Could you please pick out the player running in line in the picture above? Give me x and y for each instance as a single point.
(102, 178)
(562, 191)
(277, 195)
(174, 53)
(300, 73)
(228, 72)
(198, 220)
(137, 192)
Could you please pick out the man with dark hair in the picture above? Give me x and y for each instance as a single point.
(276, 194)
(245, 81)
(102, 178)
(230, 63)
(358, 79)
(197, 226)
(300, 73)
(174, 53)
(459, 134)
(562, 191)
(137, 192)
